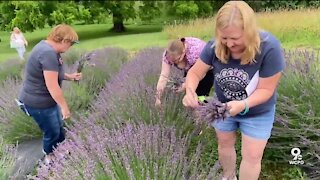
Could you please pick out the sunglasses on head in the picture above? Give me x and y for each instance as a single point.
(74, 42)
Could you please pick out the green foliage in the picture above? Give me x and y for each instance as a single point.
(149, 10)
(85, 15)
(186, 10)
(205, 8)
(121, 10)
(66, 12)
(20, 128)
(78, 98)
(27, 16)
(294, 173)
(6, 14)
(7, 159)
(276, 5)
(276, 171)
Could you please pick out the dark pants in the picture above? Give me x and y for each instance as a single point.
(50, 122)
(205, 84)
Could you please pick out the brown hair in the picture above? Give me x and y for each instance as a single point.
(175, 47)
(239, 14)
(63, 32)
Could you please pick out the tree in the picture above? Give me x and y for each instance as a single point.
(30, 15)
(120, 11)
(26, 15)
(186, 10)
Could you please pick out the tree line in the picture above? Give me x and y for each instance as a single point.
(31, 15)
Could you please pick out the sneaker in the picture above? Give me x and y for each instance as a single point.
(44, 152)
(46, 160)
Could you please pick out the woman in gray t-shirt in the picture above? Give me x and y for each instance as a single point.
(41, 92)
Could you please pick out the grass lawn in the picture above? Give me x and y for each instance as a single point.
(131, 42)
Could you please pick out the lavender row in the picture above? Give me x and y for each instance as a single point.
(137, 151)
(297, 123)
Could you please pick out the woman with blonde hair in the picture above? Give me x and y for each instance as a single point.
(247, 65)
(41, 93)
(18, 41)
(182, 53)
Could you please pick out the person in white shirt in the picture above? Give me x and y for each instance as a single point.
(18, 42)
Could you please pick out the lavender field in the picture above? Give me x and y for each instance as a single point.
(117, 133)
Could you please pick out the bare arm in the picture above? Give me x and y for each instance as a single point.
(263, 93)
(163, 79)
(195, 74)
(51, 80)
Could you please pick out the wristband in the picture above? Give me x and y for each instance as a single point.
(246, 109)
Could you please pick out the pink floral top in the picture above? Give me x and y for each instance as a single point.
(193, 51)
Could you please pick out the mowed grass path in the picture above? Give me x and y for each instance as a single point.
(93, 37)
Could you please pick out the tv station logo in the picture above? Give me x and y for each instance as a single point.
(297, 157)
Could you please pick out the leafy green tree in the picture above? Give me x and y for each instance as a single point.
(120, 11)
(190, 9)
(66, 12)
(186, 9)
(26, 15)
(6, 14)
(150, 9)
(30, 15)
(205, 8)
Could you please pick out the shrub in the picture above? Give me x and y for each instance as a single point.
(15, 125)
(130, 95)
(297, 124)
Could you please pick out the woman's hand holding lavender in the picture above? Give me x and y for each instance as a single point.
(212, 111)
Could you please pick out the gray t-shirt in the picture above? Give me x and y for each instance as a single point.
(233, 81)
(34, 92)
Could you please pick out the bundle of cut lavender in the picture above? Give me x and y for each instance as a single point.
(84, 58)
(212, 110)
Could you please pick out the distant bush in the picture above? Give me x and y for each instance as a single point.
(11, 69)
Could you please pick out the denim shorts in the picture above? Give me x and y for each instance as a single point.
(258, 127)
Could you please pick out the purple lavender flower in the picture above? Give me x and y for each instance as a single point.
(175, 82)
(212, 111)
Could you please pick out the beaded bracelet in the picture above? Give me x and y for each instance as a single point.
(246, 109)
